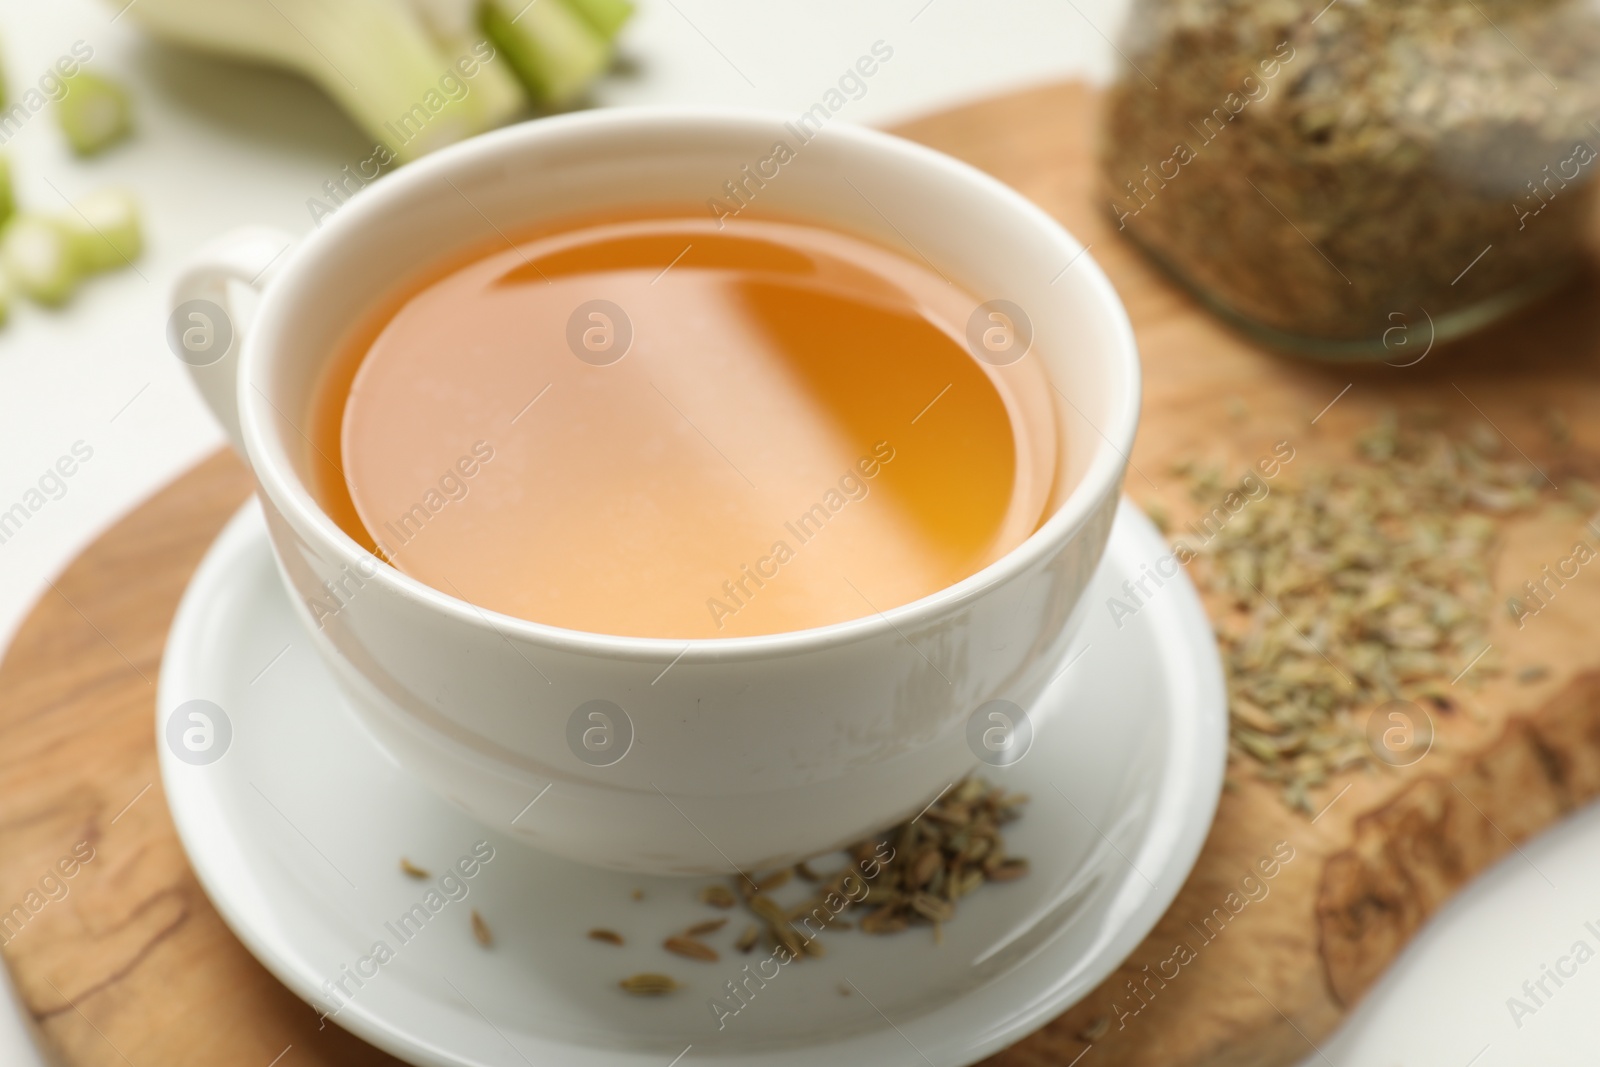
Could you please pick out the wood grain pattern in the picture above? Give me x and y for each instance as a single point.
(1259, 982)
(132, 965)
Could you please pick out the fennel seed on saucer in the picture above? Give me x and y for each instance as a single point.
(912, 875)
(776, 880)
(718, 896)
(945, 853)
(648, 985)
(690, 948)
(480, 930)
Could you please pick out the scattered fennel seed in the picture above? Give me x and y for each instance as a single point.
(648, 985)
(1361, 582)
(480, 930)
(689, 948)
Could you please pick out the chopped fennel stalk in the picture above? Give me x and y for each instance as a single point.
(95, 113)
(605, 16)
(553, 51)
(104, 230)
(46, 256)
(492, 80)
(376, 58)
(8, 196)
(400, 67)
(39, 258)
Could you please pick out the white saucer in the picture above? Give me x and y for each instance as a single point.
(297, 829)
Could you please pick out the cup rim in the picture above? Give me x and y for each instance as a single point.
(1100, 479)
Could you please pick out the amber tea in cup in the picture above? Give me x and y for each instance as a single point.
(656, 426)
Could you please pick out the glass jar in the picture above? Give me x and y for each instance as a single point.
(1323, 173)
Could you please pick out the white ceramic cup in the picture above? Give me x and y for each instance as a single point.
(738, 752)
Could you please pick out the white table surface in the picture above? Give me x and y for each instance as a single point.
(221, 145)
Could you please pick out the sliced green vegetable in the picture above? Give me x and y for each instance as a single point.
(104, 228)
(8, 196)
(376, 58)
(553, 51)
(5, 297)
(39, 258)
(95, 114)
(499, 94)
(400, 67)
(605, 16)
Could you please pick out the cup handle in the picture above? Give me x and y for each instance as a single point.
(202, 327)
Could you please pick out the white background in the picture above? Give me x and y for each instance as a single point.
(221, 144)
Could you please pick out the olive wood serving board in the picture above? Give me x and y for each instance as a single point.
(133, 965)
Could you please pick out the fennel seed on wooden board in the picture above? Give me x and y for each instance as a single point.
(1351, 584)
